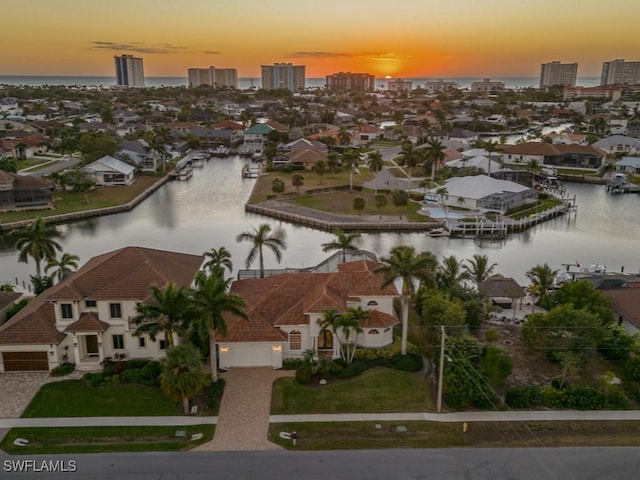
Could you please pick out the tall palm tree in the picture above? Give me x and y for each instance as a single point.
(478, 269)
(331, 322)
(167, 314)
(375, 163)
(65, 264)
(182, 374)
(406, 265)
(351, 323)
(209, 302)
(351, 159)
(435, 153)
(409, 156)
(451, 272)
(443, 193)
(38, 241)
(156, 145)
(342, 241)
(542, 279)
(333, 160)
(219, 260)
(260, 237)
(490, 147)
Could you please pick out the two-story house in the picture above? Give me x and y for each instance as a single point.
(285, 311)
(86, 318)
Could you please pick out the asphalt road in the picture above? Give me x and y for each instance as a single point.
(466, 464)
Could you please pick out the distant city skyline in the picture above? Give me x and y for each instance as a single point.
(408, 38)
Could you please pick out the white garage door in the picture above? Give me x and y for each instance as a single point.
(250, 356)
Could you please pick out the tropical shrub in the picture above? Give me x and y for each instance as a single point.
(62, 370)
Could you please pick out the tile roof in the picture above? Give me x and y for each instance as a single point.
(7, 299)
(289, 298)
(88, 322)
(35, 324)
(626, 303)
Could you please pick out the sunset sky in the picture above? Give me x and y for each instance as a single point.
(402, 38)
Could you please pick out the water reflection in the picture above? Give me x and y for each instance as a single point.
(208, 211)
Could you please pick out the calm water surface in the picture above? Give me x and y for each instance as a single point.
(207, 211)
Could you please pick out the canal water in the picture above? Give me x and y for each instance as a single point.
(207, 211)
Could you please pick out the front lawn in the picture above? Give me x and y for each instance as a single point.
(377, 390)
(73, 398)
(365, 435)
(104, 439)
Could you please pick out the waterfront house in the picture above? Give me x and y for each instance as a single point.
(619, 144)
(484, 193)
(86, 318)
(108, 171)
(284, 313)
(23, 192)
(546, 154)
(628, 165)
(255, 137)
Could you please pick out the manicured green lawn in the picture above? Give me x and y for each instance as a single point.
(376, 390)
(72, 398)
(103, 439)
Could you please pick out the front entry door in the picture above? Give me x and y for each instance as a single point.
(325, 340)
(92, 345)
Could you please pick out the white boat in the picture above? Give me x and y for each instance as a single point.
(575, 271)
(438, 232)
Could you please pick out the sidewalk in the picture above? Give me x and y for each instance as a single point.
(506, 416)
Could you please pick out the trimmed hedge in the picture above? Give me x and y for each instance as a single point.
(571, 397)
(62, 370)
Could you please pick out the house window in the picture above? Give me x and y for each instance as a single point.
(295, 340)
(163, 344)
(373, 331)
(66, 310)
(90, 303)
(142, 342)
(115, 310)
(372, 303)
(118, 342)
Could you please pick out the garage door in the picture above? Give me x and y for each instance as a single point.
(25, 361)
(250, 356)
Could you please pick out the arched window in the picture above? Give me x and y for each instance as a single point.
(372, 303)
(374, 331)
(295, 340)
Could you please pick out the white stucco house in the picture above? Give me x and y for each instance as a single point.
(86, 318)
(109, 171)
(284, 313)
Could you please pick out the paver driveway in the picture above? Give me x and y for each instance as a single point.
(243, 422)
(17, 390)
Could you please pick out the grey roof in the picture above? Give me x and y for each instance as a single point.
(135, 146)
(109, 163)
(629, 161)
(479, 186)
(615, 140)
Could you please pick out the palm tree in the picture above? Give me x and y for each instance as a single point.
(297, 181)
(344, 138)
(409, 156)
(406, 265)
(331, 322)
(351, 159)
(490, 147)
(157, 147)
(260, 237)
(443, 193)
(435, 153)
(375, 163)
(451, 272)
(169, 313)
(219, 260)
(542, 279)
(38, 241)
(182, 374)
(209, 302)
(381, 202)
(342, 241)
(66, 264)
(320, 168)
(333, 161)
(478, 269)
(351, 323)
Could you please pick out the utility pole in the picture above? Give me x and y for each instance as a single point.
(441, 372)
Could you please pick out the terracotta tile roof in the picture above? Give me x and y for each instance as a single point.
(228, 124)
(287, 299)
(7, 299)
(88, 322)
(626, 303)
(33, 325)
(126, 273)
(378, 319)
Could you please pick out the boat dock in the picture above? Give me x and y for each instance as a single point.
(620, 184)
(251, 170)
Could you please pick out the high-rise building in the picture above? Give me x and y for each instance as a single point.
(555, 74)
(620, 72)
(399, 85)
(213, 77)
(129, 71)
(361, 82)
(486, 85)
(283, 75)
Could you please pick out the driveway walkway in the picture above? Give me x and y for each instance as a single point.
(243, 421)
(17, 390)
